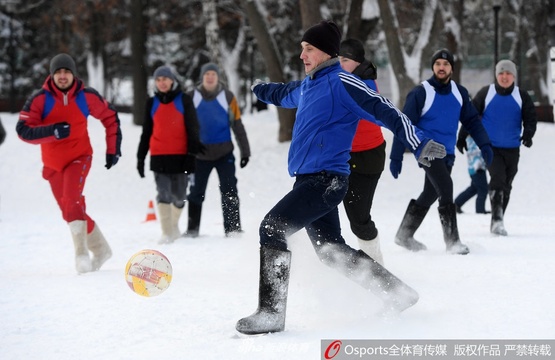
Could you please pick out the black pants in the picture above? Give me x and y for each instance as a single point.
(438, 184)
(358, 204)
(503, 169)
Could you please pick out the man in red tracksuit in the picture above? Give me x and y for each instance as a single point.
(56, 118)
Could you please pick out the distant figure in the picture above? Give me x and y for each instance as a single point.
(509, 116)
(2, 132)
(170, 133)
(218, 114)
(57, 117)
(477, 171)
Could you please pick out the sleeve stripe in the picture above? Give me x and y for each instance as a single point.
(410, 131)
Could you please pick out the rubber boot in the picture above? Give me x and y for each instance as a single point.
(412, 220)
(372, 248)
(497, 212)
(368, 273)
(232, 219)
(78, 230)
(99, 247)
(193, 225)
(175, 216)
(272, 294)
(165, 216)
(448, 218)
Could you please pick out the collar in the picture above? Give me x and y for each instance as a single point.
(323, 65)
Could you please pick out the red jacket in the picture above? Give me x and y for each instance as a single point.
(50, 105)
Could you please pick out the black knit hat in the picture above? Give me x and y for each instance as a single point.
(443, 54)
(62, 61)
(352, 49)
(326, 36)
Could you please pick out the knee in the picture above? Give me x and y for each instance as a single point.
(272, 233)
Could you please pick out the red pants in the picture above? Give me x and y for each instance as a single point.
(67, 186)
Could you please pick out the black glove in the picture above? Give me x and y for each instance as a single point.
(461, 144)
(200, 149)
(111, 160)
(526, 140)
(244, 162)
(60, 130)
(141, 168)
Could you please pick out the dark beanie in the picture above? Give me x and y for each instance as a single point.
(62, 61)
(207, 67)
(352, 49)
(326, 36)
(443, 54)
(165, 71)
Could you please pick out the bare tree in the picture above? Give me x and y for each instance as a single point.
(274, 66)
(137, 27)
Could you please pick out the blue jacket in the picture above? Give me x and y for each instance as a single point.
(329, 104)
(436, 109)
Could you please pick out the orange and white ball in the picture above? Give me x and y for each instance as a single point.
(148, 273)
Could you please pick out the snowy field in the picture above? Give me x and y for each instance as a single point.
(502, 290)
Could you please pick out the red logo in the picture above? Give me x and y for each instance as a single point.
(332, 350)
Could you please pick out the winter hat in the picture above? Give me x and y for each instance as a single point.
(326, 36)
(207, 67)
(352, 49)
(505, 65)
(62, 61)
(165, 71)
(443, 54)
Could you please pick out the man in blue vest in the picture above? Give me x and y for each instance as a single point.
(435, 107)
(509, 117)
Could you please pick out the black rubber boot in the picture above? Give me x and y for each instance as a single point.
(193, 225)
(272, 294)
(412, 220)
(368, 273)
(232, 220)
(498, 202)
(448, 218)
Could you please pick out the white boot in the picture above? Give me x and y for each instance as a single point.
(98, 245)
(79, 233)
(165, 216)
(176, 214)
(372, 249)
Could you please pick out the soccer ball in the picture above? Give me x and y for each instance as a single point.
(148, 273)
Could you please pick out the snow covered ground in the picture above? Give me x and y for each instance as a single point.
(502, 290)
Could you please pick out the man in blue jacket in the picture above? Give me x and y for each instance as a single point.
(329, 103)
(436, 106)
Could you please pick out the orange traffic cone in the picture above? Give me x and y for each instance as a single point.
(151, 214)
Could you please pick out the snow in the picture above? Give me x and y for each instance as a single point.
(502, 290)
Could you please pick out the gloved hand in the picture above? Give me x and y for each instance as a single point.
(244, 162)
(141, 168)
(461, 144)
(111, 160)
(395, 167)
(255, 83)
(526, 140)
(431, 151)
(487, 154)
(60, 130)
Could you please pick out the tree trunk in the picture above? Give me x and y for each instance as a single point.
(270, 53)
(138, 28)
(310, 13)
(395, 51)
